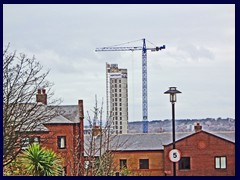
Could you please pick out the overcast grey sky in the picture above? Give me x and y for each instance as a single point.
(199, 58)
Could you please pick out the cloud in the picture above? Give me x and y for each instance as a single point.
(199, 39)
(194, 52)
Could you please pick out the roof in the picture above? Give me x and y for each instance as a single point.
(69, 116)
(227, 136)
(143, 142)
(59, 120)
(71, 112)
(146, 141)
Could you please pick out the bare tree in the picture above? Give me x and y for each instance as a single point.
(99, 158)
(22, 77)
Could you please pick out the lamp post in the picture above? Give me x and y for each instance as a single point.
(173, 98)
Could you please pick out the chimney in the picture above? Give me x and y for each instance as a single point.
(96, 130)
(197, 127)
(81, 133)
(41, 96)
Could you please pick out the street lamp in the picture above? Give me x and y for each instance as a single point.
(173, 98)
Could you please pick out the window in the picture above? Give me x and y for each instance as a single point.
(143, 163)
(61, 142)
(120, 121)
(29, 140)
(119, 90)
(220, 162)
(35, 139)
(87, 164)
(119, 80)
(123, 163)
(24, 143)
(184, 163)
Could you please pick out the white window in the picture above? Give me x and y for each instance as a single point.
(61, 142)
(220, 162)
(86, 164)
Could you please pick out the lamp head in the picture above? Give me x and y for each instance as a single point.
(172, 91)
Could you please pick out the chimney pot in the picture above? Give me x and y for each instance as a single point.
(197, 127)
(41, 96)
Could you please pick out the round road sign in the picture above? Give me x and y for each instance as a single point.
(174, 155)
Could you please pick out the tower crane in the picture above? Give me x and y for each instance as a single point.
(144, 74)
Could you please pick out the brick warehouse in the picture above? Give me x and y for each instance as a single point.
(203, 154)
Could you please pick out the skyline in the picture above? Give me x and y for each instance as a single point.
(199, 58)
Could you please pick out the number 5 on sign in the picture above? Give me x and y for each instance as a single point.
(174, 155)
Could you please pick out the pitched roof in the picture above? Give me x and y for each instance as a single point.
(227, 136)
(146, 141)
(59, 120)
(70, 112)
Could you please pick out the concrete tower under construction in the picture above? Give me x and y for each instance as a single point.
(117, 98)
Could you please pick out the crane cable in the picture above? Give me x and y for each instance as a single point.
(125, 43)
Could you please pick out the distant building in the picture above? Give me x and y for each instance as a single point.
(117, 98)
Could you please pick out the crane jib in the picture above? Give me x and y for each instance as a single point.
(118, 48)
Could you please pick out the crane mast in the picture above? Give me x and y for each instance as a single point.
(144, 88)
(144, 75)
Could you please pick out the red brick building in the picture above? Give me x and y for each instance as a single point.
(202, 154)
(63, 135)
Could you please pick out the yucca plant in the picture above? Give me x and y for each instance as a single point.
(41, 161)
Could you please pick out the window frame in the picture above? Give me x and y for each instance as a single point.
(142, 164)
(122, 163)
(220, 162)
(25, 142)
(184, 166)
(59, 142)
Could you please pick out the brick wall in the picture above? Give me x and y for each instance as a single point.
(70, 153)
(202, 147)
(155, 162)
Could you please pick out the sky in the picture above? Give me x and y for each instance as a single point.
(199, 58)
